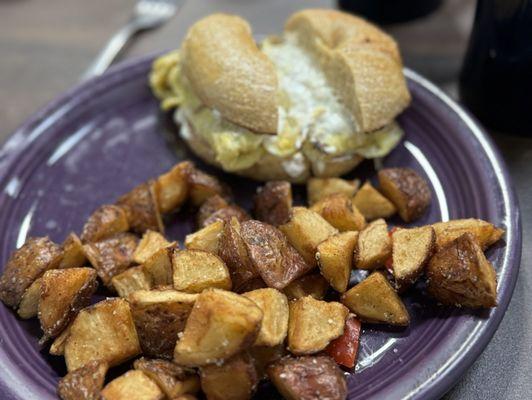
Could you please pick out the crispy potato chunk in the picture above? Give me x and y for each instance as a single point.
(73, 253)
(209, 207)
(335, 259)
(25, 265)
(108, 220)
(220, 325)
(196, 270)
(274, 306)
(226, 213)
(374, 300)
(338, 210)
(29, 304)
(63, 293)
(277, 262)
(150, 243)
(374, 246)
(171, 188)
(206, 239)
(141, 208)
(372, 204)
(104, 331)
(314, 285)
(84, 383)
(264, 356)
(485, 233)
(159, 266)
(308, 377)
(160, 315)
(131, 280)
(133, 384)
(412, 248)
(305, 231)
(57, 348)
(203, 186)
(236, 379)
(173, 380)
(273, 202)
(313, 324)
(111, 256)
(459, 274)
(408, 191)
(318, 188)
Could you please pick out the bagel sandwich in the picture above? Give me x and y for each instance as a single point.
(314, 101)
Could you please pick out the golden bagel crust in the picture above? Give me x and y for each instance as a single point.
(230, 74)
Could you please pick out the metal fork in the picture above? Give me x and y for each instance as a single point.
(148, 14)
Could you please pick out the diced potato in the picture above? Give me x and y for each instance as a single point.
(313, 324)
(374, 246)
(196, 270)
(206, 239)
(318, 188)
(485, 233)
(274, 306)
(159, 266)
(314, 285)
(209, 207)
(29, 305)
(277, 262)
(150, 243)
(131, 280)
(408, 191)
(84, 383)
(173, 380)
(220, 325)
(142, 209)
(226, 213)
(132, 385)
(111, 256)
(63, 293)
(459, 274)
(25, 265)
(412, 248)
(203, 186)
(264, 356)
(104, 331)
(335, 259)
(73, 253)
(171, 188)
(338, 210)
(305, 231)
(273, 203)
(58, 345)
(236, 379)
(253, 284)
(372, 204)
(160, 315)
(374, 300)
(106, 221)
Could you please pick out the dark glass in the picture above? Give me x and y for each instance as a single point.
(390, 11)
(496, 77)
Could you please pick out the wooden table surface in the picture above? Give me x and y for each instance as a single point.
(45, 45)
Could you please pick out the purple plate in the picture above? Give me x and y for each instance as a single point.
(107, 135)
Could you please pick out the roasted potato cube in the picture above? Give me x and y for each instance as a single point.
(104, 331)
(338, 210)
(159, 266)
(226, 213)
(173, 380)
(202, 186)
(196, 270)
(274, 306)
(374, 300)
(73, 253)
(57, 348)
(308, 377)
(111, 256)
(313, 324)
(29, 305)
(133, 384)
(485, 233)
(459, 274)
(408, 191)
(220, 325)
(372, 204)
(63, 293)
(314, 285)
(84, 383)
(171, 188)
(412, 248)
(318, 188)
(160, 315)
(25, 265)
(106, 221)
(236, 379)
(273, 203)
(131, 280)
(305, 231)
(142, 209)
(209, 207)
(335, 259)
(374, 246)
(150, 243)
(264, 356)
(206, 239)
(277, 262)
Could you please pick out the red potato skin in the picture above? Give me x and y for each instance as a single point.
(344, 350)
